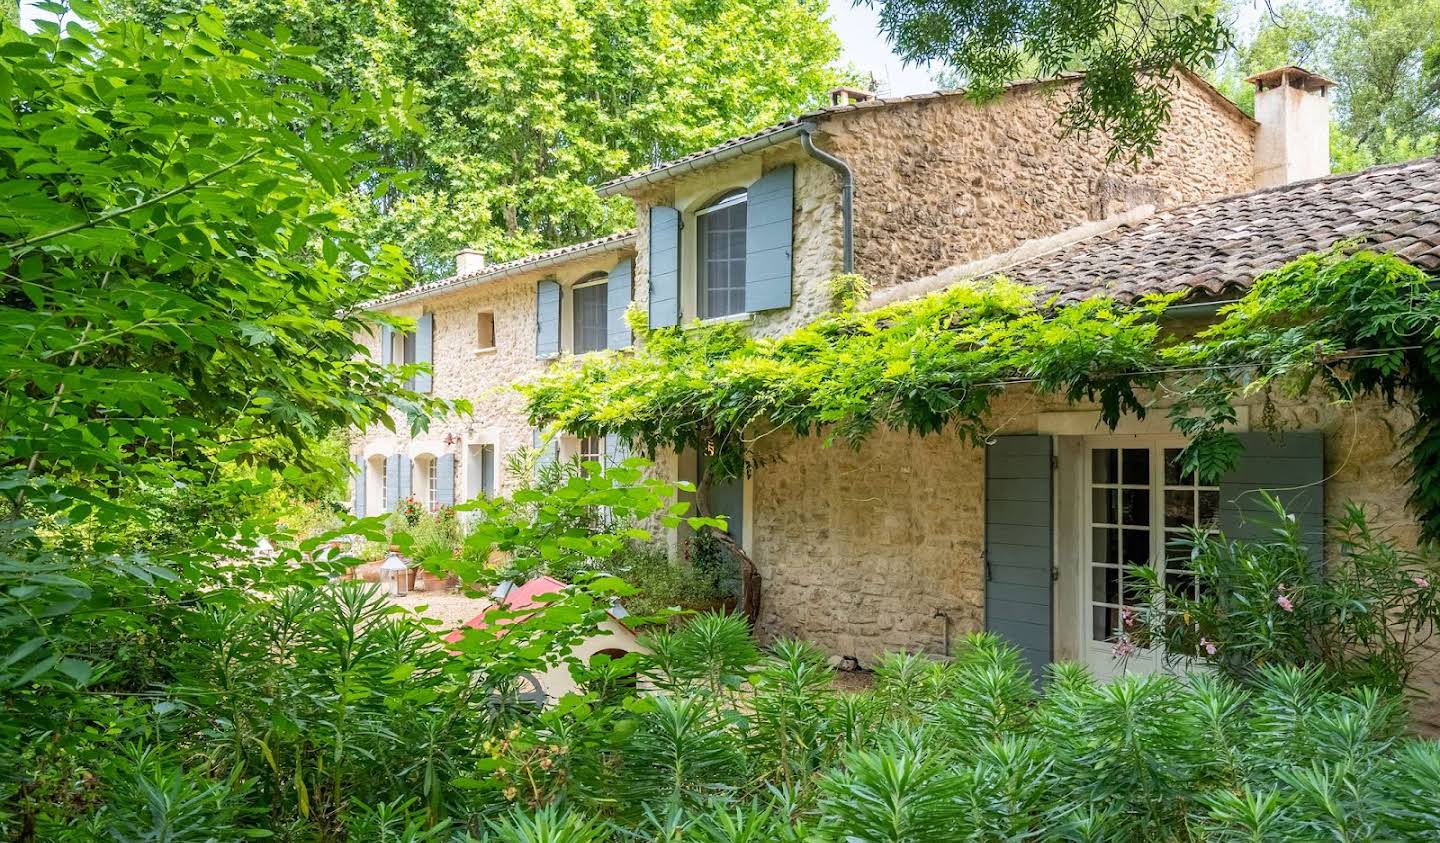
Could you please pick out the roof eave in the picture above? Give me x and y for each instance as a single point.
(631, 183)
(484, 277)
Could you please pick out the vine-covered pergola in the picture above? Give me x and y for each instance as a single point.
(1356, 323)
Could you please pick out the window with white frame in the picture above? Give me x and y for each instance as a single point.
(432, 483)
(720, 248)
(1140, 504)
(592, 449)
(589, 300)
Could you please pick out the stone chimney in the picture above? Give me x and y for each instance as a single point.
(468, 261)
(1292, 106)
(849, 96)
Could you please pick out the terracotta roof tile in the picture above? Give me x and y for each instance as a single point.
(1223, 245)
(609, 242)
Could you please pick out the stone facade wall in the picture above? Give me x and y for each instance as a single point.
(485, 378)
(859, 549)
(816, 243)
(942, 181)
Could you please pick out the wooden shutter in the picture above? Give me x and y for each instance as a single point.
(360, 478)
(725, 498)
(1291, 467)
(616, 451)
(547, 318)
(1019, 545)
(617, 301)
(392, 482)
(768, 235)
(664, 267)
(549, 451)
(425, 350)
(445, 479)
(406, 470)
(387, 345)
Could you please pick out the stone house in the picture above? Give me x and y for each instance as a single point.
(908, 541)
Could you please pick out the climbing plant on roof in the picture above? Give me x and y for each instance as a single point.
(1355, 323)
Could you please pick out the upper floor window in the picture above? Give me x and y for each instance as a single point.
(589, 304)
(720, 272)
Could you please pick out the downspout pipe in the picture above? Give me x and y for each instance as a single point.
(847, 192)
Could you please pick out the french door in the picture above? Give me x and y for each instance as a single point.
(1137, 501)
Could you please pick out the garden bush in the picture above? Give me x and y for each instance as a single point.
(1365, 616)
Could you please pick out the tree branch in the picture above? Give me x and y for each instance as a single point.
(120, 212)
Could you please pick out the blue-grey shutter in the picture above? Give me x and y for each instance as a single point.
(617, 301)
(360, 467)
(392, 482)
(549, 451)
(725, 498)
(445, 479)
(387, 344)
(1291, 467)
(664, 267)
(547, 318)
(614, 449)
(1019, 545)
(769, 229)
(425, 350)
(406, 470)
(487, 470)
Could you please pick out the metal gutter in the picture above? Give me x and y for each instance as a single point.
(687, 165)
(847, 191)
(502, 271)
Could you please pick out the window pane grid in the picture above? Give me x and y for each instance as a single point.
(590, 317)
(721, 269)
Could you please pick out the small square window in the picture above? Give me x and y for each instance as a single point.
(484, 330)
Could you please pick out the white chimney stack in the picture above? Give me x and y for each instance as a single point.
(468, 261)
(1292, 106)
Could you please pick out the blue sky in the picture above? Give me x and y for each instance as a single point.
(864, 47)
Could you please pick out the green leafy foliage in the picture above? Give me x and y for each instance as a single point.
(1127, 51)
(1384, 56)
(1367, 619)
(523, 107)
(1353, 323)
(920, 758)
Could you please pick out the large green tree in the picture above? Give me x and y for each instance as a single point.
(1126, 48)
(528, 104)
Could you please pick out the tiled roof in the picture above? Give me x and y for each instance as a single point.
(759, 137)
(1223, 245)
(608, 243)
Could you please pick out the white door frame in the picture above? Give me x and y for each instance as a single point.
(1074, 618)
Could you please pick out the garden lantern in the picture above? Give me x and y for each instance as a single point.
(395, 574)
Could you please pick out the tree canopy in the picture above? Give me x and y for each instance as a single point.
(1384, 56)
(527, 105)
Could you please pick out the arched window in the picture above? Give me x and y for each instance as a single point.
(720, 247)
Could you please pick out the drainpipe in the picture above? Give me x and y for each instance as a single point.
(847, 191)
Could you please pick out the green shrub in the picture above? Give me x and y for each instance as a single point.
(1366, 617)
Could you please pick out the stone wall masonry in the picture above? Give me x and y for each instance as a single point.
(859, 548)
(485, 378)
(942, 181)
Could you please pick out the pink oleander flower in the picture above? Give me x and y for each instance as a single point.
(1420, 582)
(1123, 649)
(1284, 602)
(1127, 617)
(1208, 646)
